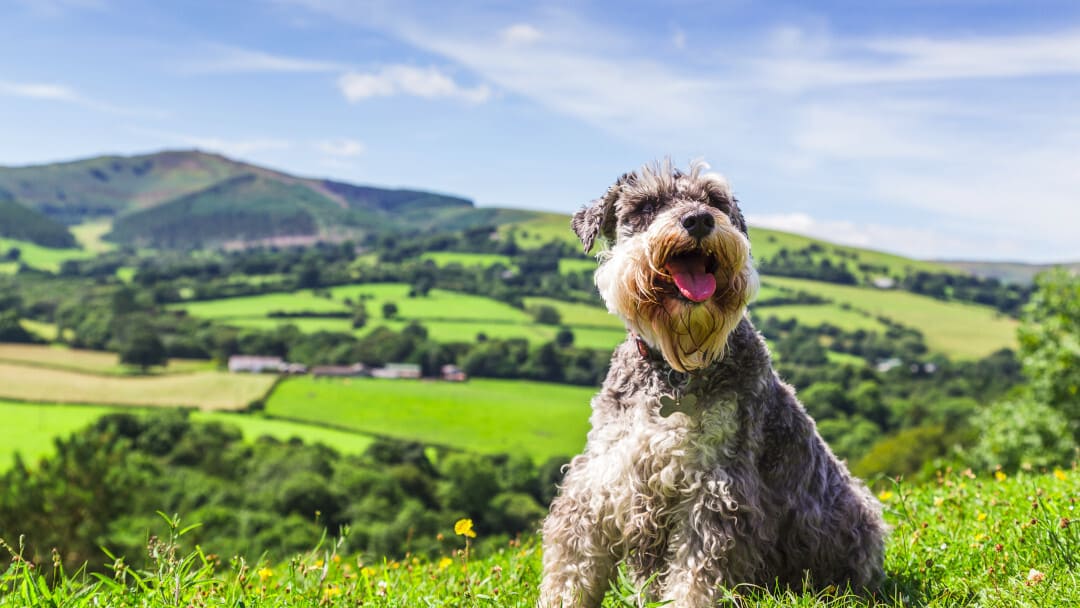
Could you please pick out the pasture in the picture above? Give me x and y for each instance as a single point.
(448, 316)
(210, 390)
(956, 329)
(88, 361)
(487, 416)
(44, 258)
(32, 428)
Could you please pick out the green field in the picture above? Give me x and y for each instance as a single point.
(32, 427)
(765, 243)
(953, 328)
(487, 416)
(45, 258)
(483, 260)
(89, 361)
(91, 236)
(818, 314)
(448, 316)
(205, 390)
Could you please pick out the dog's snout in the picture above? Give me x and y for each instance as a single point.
(698, 224)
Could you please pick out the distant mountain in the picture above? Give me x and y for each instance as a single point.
(25, 224)
(193, 199)
(1009, 272)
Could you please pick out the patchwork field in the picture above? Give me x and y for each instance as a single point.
(89, 361)
(448, 316)
(954, 328)
(488, 416)
(210, 390)
(32, 428)
(45, 258)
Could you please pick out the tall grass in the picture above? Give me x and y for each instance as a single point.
(963, 540)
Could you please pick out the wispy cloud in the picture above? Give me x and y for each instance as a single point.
(232, 60)
(808, 61)
(46, 91)
(429, 83)
(346, 148)
(520, 34)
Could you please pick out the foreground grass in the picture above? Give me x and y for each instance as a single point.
(487, 416)
(208, 390)
(961, 541)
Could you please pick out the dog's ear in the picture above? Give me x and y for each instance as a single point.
(598, 217)
(737, 218)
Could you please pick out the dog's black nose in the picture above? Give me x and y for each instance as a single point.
(698, 225)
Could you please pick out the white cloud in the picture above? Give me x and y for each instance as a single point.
(230, 60)
(66, 94)
(36, 90)
(520, 34)
(429, 83)
(928, 242)
(800, 60)
(341, 147)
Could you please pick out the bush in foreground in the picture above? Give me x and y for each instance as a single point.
(963, 540)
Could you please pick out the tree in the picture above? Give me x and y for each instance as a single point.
(389, 310)
(565, 337)
(1050, 344)
(13, 331)
(14, 254)
(360, 315)
(546, 315)
(143, 348)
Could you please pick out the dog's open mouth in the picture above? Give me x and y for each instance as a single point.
(693, 274)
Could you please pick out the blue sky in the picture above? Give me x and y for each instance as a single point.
(933, 129)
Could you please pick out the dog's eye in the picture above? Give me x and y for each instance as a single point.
(648, 208)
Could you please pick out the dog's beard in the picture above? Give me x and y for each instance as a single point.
(636, 284)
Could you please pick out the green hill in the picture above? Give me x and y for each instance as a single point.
(240, 209)
(153, 197)
(25, 224)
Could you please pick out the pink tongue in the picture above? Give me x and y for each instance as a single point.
(690, 277)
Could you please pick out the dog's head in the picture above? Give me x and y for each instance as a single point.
(677, 265)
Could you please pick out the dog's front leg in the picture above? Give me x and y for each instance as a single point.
(579, 556)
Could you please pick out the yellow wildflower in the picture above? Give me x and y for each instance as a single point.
(319, 563)
(368, 572)
(463, 527)
(885, 495)
(265, 573)
(1059, 474)
(1000, 475)
(444, 563)
(336, 559)
(981, 517)
(331, 591)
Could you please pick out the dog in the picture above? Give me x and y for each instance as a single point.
(702, 471)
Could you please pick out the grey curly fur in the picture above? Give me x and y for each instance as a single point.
(740, 490)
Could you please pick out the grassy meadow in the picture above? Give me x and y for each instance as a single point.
(487, 416)
(39, 424)
(88, 361)
(964, 540)
(955, 328)
(448, 316)
(210, 390)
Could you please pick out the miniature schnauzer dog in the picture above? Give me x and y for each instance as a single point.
(702, 471)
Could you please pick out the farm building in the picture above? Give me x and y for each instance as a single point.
(453, 373)
(255, 365)
(409, 371)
